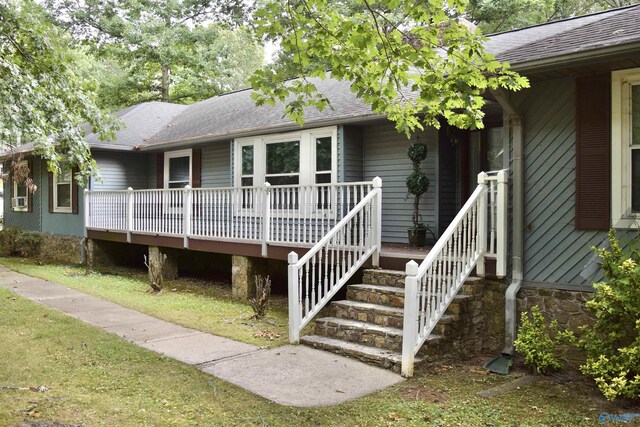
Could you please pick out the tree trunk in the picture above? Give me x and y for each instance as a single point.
(165, 83)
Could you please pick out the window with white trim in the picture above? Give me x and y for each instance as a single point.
(20, 199)
(625, 154)
(303, 157)
(62, 190)
(177, 168)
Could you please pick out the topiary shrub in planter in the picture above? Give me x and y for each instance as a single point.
(612, 344)
(417, 184)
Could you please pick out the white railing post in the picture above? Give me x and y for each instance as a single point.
(129, 214)
(295, 317)
(377, 222)
(410, 323)
(187, 203)
(87, 209)
(501, 243)
(482, 225)
(266, 217)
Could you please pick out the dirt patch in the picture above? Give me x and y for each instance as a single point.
(421, 392)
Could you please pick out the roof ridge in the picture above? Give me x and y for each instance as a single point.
(616, 10)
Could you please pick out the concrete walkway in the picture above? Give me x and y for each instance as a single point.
(289, 375)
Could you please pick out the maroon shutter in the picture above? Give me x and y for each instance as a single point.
(9, 163)
(29, 193)
(74, 191)
(196, 164)
(160, 170)
(593, 153)
(50, 177)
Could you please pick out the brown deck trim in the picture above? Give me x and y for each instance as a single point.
(111, 236)
(395, 259)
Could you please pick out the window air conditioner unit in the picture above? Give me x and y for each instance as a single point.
(19, 202)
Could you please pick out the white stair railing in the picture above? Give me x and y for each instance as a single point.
(431, 286)
(316, 277)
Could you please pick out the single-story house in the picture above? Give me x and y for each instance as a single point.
(227, 177)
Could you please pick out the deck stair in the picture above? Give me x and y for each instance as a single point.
(368, 324)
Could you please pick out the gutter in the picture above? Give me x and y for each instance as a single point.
(589, 55)
(513, 122)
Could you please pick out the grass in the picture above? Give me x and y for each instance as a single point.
(94, 378)
(194, 303)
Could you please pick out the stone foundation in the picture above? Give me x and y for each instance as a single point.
(243, 283)
(567, 307)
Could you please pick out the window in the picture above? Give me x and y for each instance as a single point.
(62, 191)
(177, 169)
(296, 158)
(625, 154)
(20, 199)
(283, 163)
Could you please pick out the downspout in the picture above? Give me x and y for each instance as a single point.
(517, 250)
(513, 122)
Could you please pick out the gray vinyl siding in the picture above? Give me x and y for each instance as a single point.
(62, 223)
(216, 165)
(31, 221)
(353, 156)
(385, 155)
(554, 251)
(119, 171)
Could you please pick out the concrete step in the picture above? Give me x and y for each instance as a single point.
(381, 315)
(374, 276)
(392, 296)
(377, 356)
(360, 332)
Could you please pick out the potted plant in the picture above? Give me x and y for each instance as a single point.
(417, 184)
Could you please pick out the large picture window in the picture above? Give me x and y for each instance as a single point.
(625, 154)
(296, 158)
(62, 191)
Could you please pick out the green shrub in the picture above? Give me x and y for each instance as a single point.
(28, 244)
(539, 343)
(8, 237)
(612, 345)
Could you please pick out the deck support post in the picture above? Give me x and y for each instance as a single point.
(295, 315)
(481, 244)
(243, 283)
(187, 204)
(410, 321)
(129, 219)
(501, 225)
(377, 222)
(266, 217)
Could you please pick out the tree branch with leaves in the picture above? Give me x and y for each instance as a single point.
(412, 61)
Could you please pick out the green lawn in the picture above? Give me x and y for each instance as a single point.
(95, 378)
(195, 303)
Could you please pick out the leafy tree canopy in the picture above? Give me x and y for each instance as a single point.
(502, 15)
(411, 61)
(44, 99)
(170, 50)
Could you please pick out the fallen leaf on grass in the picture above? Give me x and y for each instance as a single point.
(266, 333)
(394, 416)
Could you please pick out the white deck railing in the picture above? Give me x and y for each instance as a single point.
(286, 215)
(316, 277)
(477, 232)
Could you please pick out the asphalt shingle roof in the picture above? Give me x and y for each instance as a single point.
(235, 114)
(140, 123)
(560, 38)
